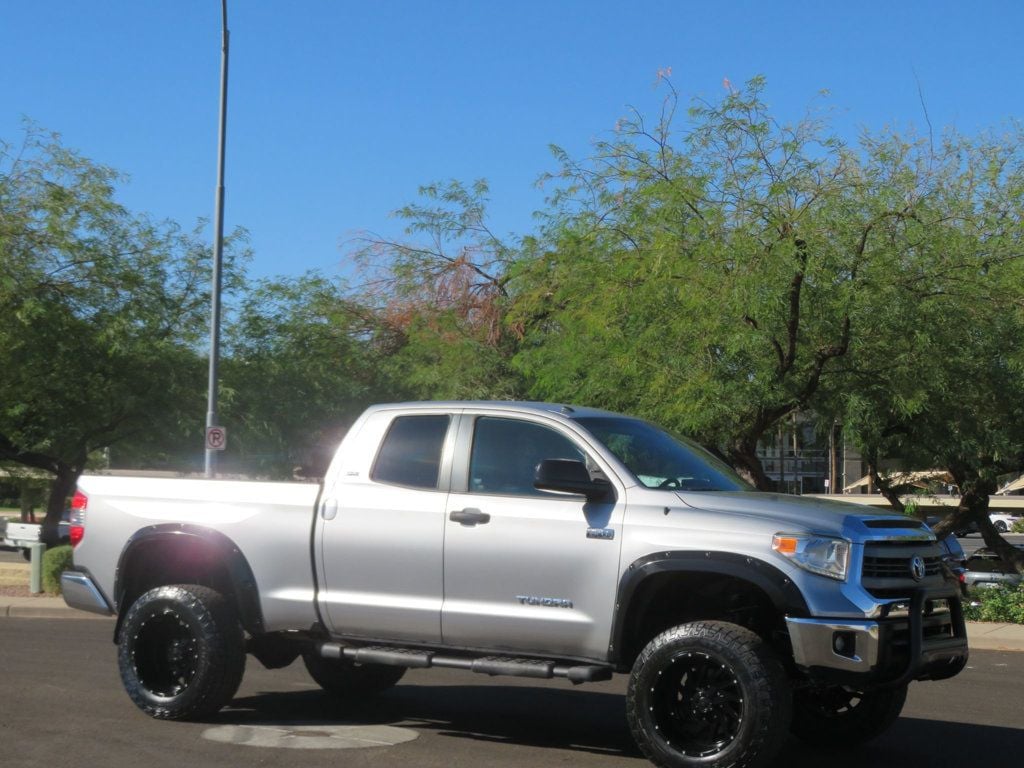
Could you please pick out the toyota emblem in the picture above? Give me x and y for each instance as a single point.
(917, 569)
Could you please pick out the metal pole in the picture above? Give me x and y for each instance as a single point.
(218, 243)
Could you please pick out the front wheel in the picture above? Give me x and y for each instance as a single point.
(709, 694)
(1001, 526)
(182, 652)
(837, 715)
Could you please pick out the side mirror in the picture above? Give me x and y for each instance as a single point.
(569, 476)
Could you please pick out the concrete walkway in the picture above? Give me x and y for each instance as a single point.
(983, 636)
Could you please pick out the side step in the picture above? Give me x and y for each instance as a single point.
(485, 665)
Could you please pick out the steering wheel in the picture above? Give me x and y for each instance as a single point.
(670, 482)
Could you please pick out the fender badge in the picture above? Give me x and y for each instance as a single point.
(600, 533)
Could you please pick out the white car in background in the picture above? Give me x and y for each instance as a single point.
(1003, 523)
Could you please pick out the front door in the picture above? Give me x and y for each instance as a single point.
(524, 569)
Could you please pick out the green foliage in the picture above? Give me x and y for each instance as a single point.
(56, 560)
(717, 270)
(439, 303)
(939, 379)
(703, 276)
(1017, 527)
(999, 604)
(102, 312)
(300, 365)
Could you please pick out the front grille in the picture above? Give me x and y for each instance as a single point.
(898, 567)
(887, 569)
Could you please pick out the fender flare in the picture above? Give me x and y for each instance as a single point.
(243, 582)
(780, 589)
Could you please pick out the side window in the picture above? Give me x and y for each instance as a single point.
(506, 453)
(411, 452)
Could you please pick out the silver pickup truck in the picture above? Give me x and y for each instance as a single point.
(531, 540)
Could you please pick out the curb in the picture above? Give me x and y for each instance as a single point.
(42, 608)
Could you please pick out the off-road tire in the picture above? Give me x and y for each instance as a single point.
(350, 681)
(182, 652)
(832, 715)
(708, 694)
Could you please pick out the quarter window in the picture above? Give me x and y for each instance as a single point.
(411, 452)
(506, 453)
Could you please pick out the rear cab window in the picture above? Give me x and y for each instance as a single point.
(410, 454)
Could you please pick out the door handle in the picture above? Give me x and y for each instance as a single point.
(469, 516)
(329, 509)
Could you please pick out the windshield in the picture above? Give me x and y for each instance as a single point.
(660, 460)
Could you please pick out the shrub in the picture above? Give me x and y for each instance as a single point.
(1003, 604)
(1018, 526)
(55, 562)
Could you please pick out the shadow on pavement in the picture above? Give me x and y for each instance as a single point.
(593, 721)
(541, 717)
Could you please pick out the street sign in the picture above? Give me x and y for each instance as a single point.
(216, 438)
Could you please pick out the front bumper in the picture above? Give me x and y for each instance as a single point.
(926, 639)
(81, 592)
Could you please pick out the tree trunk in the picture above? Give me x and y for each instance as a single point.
(883, 487)
(62, 486)
(995, 541)
(974, 504)
(28, 513)
(743, 457)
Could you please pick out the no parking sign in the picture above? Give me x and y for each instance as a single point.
(216, 438)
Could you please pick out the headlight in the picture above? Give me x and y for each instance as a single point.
(817, 554)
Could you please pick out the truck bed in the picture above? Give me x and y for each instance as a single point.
(271, 524)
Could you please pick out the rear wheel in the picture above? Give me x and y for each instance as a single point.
(838, 715)
(708, 694)
(1001, 526)
(348, 680)
(182, 652)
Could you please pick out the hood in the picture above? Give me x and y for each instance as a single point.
(795, 514)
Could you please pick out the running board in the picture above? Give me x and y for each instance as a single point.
(484, 665)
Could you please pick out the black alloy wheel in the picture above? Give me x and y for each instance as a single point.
(697, 704)
(709, 694)
(182, 652)
(164, 653)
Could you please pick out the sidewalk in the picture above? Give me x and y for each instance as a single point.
(982, 636)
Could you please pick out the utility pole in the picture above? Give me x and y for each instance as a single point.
(215, 435)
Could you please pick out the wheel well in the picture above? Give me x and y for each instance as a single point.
(173, 558)
(665, 600)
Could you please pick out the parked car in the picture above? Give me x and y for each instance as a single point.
(955, 559)
(1001, 521)
(986, 569)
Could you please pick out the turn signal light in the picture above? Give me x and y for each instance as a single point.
(784, 544)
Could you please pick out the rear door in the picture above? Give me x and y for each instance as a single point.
(526, 570)
(382, 530)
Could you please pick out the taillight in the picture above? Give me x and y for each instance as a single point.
(79, 502)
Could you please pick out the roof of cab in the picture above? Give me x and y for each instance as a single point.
(512, 406)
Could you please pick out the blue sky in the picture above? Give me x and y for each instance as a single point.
(338, 111)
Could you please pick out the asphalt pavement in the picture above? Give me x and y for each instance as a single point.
(62, 705)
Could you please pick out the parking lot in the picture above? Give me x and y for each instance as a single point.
(62, 705)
